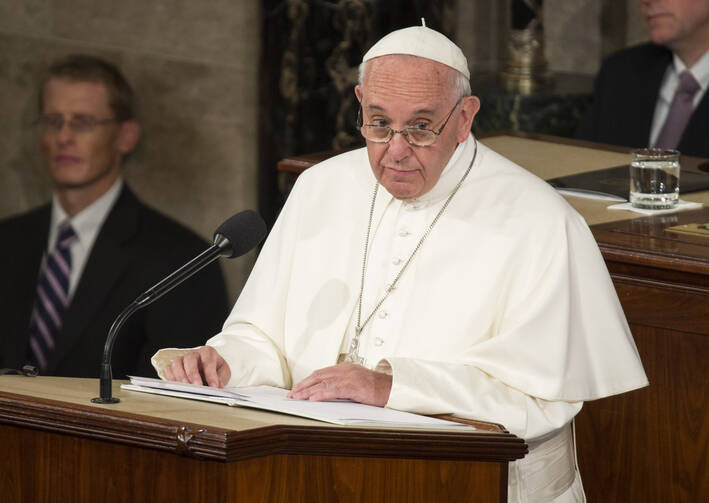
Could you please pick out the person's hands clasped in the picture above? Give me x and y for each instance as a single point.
(345, 380)
(199, 366)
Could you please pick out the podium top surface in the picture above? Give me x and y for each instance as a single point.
(225, 433)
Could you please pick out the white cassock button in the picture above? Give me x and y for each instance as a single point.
(382, 314)
(403, 233)
(378, 341)
(396, 261)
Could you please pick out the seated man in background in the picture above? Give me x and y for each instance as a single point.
(429, 274)
(71, 266)
(655, 94)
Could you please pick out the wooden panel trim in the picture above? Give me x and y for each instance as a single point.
(297, 164)
(675, 263)
(229, 445)
(663, 306)
(657, 283)
(619, 253)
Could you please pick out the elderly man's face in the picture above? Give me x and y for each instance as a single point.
(676, 23)
(406, 91)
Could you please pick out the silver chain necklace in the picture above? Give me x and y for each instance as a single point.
(352, 354)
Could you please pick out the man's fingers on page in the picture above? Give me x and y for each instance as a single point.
(211, 374)
(192, 363)
(167, 372)
(324, 390)
(315, 378)
(301, 391)
(209, 365)
(176, 370)
(312, 388)
(224, 372)
(304, 384)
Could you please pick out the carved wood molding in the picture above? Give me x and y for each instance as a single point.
(199, 441)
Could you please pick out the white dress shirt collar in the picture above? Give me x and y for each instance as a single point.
(670, 81)
(700, 70)
(88, 221)
(86, 225)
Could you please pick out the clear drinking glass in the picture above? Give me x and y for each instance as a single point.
(654, 178)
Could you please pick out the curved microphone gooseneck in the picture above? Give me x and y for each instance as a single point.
(233, 238)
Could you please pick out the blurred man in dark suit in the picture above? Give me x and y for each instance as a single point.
(71, 266)
(655, 94)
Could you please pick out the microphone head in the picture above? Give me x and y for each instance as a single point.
(242, 232)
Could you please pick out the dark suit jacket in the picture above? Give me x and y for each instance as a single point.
(624, 100)
(135, 248)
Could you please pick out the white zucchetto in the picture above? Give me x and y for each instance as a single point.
(422, 42)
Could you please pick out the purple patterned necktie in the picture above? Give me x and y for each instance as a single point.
(52, 298)
(680, 111)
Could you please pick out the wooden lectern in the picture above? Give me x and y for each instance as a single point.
(58, 446)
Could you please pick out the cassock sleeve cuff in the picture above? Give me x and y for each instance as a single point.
(384, 367)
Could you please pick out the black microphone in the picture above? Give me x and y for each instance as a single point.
(233, 238)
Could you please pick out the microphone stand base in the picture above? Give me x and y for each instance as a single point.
(110, 399)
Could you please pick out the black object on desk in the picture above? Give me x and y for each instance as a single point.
(615, 181)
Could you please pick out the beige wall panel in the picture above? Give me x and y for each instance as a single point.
(26, 17)
(24, 183)
(637, 33)
(572, 35)
(198, 158)
(479, 28)
(213, 31)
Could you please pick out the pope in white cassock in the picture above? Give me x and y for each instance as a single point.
(429, 274)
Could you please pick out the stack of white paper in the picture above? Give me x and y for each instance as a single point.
(344, 412)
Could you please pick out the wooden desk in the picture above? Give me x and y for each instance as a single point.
(58, 446)
(653, 444)
(650, 444)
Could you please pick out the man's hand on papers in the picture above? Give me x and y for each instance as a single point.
(345, 380)
(201, 366)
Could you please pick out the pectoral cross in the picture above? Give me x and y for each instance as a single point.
(352, 356)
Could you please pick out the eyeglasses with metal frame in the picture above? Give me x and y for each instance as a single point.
(80, 123)
(418, 137)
